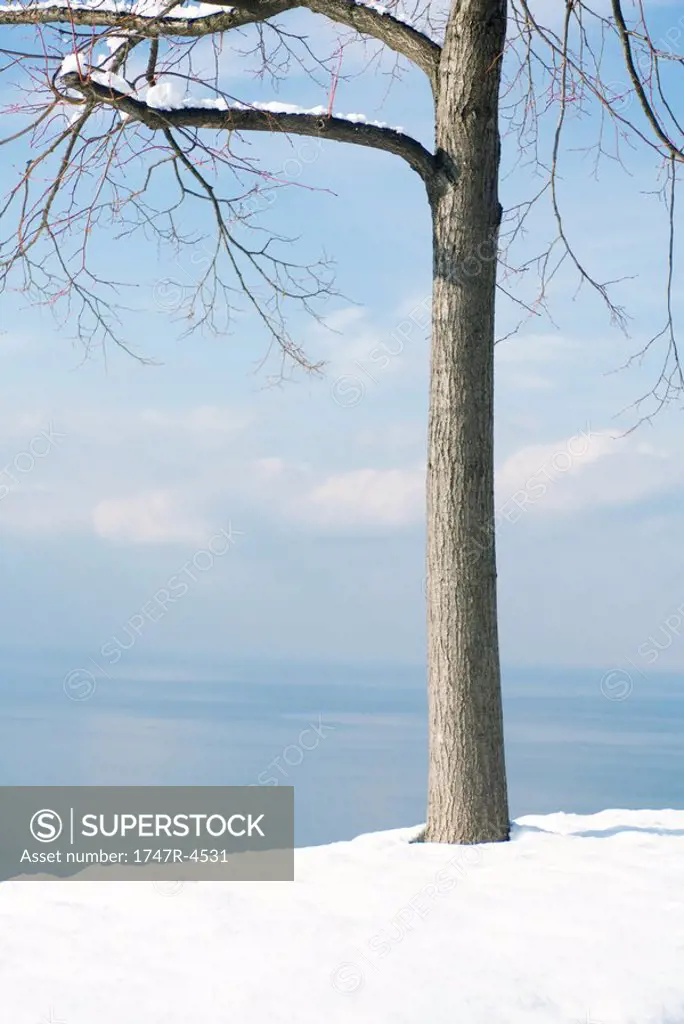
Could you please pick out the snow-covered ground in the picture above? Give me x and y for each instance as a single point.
(578, 919)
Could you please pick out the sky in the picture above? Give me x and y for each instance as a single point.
(195, 507)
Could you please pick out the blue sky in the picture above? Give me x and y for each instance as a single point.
(322, 478)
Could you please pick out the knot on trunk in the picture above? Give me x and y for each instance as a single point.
(446, 175)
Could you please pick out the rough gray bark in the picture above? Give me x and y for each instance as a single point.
(467, 799)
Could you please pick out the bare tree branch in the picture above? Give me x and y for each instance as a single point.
(241, 119)
(649, 112)
(396, 34)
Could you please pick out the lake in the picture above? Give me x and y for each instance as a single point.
(351, 739)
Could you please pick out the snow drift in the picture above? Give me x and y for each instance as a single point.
(577, 919)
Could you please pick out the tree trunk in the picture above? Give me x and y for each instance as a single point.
(467, 798)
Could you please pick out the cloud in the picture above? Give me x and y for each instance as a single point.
(20, 427)
(151, 476)
(91, 470)
(152, 517)
(550, 462)
(531, 362)
(204, 424)
(587, 470)
(517, 381)
(12, 343)
(361, 346)
(365, 497)
(155, 476)
(534, 348)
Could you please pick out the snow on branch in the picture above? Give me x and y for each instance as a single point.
(147, 8)
(218, 115)
(193, 21)
(147, 20)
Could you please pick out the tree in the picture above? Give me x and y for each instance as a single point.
(102, 99)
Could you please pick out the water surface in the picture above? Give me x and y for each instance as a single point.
(351, 739)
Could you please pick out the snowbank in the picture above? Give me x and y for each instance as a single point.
(578, 919)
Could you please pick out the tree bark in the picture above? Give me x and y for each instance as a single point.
(467, 798)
